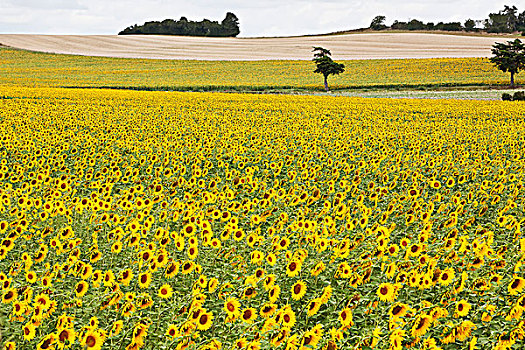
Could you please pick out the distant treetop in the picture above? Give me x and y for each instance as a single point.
(508, 20)
(229, 27)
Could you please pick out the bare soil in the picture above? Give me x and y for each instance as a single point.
(344, 47)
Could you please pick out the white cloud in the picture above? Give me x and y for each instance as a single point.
(257, 18)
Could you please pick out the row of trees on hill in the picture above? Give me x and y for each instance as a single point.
(508, 20)
(229, 27)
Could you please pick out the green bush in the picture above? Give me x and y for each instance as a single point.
(506, 97)
(519, 96)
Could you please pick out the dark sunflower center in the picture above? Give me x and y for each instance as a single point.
(203, 319)
(63, 336)
(91, 341)
(396, 310)
(421, 323)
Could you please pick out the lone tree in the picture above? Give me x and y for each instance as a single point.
(378, 23)
(325, 64)
(509, 57)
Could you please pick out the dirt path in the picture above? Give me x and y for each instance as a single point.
(351, 46)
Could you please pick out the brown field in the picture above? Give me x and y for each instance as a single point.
(344, 47)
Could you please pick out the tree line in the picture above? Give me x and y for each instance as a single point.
(229, 27)
(508, 20)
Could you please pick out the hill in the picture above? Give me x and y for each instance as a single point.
(344, 46)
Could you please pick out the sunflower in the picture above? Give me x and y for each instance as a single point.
(144, 279)
(249, 293)
(278, 338)
(293, 268)
(314, 306)
(298, 290)
(248, 315)
(269, 281)
(10, 345)
(193, 251)
(81, 289)
(446, 277)
(172, 269)
(165, 291)
(213, 284)
(9, 295)
(204, 321)
(172, 331)
(386, 292)
(189, 230)
(31, 277)
(464, 330)
(309, 340)
(116, 328)
(271, 259)
(327, 293)
(318, 268)
(345, 317)
(19, 308)
(273, 293)
(29, 331)
(241, 343)
(462, 308)
(421, 325)
(287, 317)
(187, 267)
(414, 250)
(125, 277)
(268, 310)
(516, 286)
(232, 307)
(47, 341)
(398, 310)
(96, 278)
(66, 336)
(140, 331)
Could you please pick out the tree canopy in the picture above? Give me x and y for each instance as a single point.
(509, 57)
(325, 65)
(508, 20)
(229, 27)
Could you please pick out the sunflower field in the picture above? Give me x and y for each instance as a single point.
(156, 220)
(32, 69)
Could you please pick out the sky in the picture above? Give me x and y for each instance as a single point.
(257, 18)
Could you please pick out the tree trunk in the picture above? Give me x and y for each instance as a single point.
(326, 82)
(512, 79)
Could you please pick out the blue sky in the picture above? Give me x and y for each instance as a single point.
(257, 18)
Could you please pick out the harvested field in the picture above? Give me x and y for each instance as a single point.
(345, 47)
